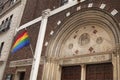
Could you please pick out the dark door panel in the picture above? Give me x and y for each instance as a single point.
(99, 72)
(71, 73)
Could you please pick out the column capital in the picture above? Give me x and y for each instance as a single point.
(83, 65)
(46, 13)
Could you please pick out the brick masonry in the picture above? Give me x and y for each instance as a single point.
(34, 9)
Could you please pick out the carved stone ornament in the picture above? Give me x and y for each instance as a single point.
(99, 40)
(84, 39)
(46, 13)
(70, 46)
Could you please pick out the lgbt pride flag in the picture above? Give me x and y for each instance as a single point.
(21, 41)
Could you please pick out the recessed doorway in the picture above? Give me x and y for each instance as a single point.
(20, 75)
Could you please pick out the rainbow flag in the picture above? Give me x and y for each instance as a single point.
(21, 41)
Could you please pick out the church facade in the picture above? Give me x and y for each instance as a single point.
(82, 41)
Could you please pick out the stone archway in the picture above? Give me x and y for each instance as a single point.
(86, 37)
(83, 19)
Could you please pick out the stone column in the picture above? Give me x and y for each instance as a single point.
(116, 63)
(83, 72)
(51, 70)
(115, 71)
(118, 60)
(119, 66)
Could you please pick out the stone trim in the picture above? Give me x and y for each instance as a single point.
(87, 59)
(24, 62)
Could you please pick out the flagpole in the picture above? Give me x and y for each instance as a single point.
(32, 50)
(38, 50)
(30, 45)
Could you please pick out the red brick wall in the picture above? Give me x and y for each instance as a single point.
(34, 9)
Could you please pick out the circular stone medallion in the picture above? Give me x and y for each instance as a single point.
(99, 40)
(84, 39)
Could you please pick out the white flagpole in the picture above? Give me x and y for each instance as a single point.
(30, 45)
(32, 50)
(38, 50)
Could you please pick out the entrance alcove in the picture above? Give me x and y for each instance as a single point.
(85, 39)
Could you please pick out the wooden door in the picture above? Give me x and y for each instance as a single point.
(99, 72)
(71, 73)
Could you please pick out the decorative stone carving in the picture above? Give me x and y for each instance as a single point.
(99, 40)
(95, 31)
(46, 13)
(84, 39)
(70, 46)
(91, 49)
